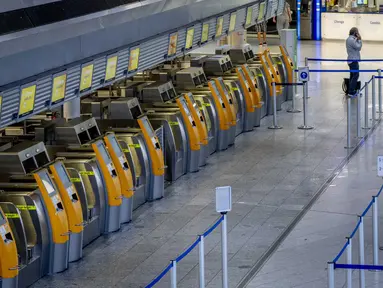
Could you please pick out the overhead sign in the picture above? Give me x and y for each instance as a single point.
(219, 28)
(379, 166)
(205, 33)
(111, 68)
(172, 48)
(86, 77)
(233, 20)
(249, 16)
(189, 38)
(58, 89)
(27, 100)
(261, 12)
(133, 59)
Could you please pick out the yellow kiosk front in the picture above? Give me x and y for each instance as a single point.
(201, 125)
(157, 163)
(112, 185)
(223, 117)
(9, 262)
(73, 208)
(231, 111)
(124, 175)
(190, 123)
(289, 64)
(257, 98)
(58, 221)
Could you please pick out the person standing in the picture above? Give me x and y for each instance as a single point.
(283, 20)
(353, 46)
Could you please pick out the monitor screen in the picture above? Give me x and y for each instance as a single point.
(62, 172)
(135, 111)
(172, 93)
(116, 147)
(224, 88)
(148, 127)
(105, 155)
(185, 106)
(47, 182)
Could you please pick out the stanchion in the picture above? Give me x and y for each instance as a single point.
(380, 90)
(201, 261)
(366, 106)
(330, 274)
(373, 100)
(362, 279)
(306, 62)
(358, 124)
(275, 123)
(375, 230)
(293, 109)
(173, 275)
(349, 261)
(225, 281)
(305, 108)
(348, 145)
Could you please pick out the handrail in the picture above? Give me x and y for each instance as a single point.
(185, 253)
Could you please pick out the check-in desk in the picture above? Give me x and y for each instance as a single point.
(148, 144)
(289, 67)
(236, 96)
(271, 76)
(279, 64)
(260, 76)
(176, 141)
(9, 262)
(79, 139)
(209, 112)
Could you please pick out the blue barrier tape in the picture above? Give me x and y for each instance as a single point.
(380, 191)
(378, 77)
(212, 228)
(343, 60)
(339, 71)
(159, 277)
(358, 266)
(368, 207)
(356, 229)
(288, 84)
(341, 252)
(187, 251)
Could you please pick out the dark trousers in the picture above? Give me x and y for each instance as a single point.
(354, 76)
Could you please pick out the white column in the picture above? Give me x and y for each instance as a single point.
(71, 109)
(238, 38)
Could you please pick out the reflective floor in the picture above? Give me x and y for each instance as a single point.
(273, 174)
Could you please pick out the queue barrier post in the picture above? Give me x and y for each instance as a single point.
(305, 108)
(373, 100)
(331, 275)
(358, 121)
(348, 145)
(366, 124)
(380, 90)
(275, 121)
(375, 230)
(349, 261)
(225, 281)
(293, 109)
(201, 260)
(173, 274)
(362, 277)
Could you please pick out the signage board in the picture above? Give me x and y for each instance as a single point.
(27, 100)
(249, 16)
(338, 25)
(189, 38)
(86, 77)
(233, 21)
(172, 48)
(58, 88)
(219, 28)
(111, 68)
(205, 33)
(303, 74)
(133, 59)
(261, 13)
(379, 166)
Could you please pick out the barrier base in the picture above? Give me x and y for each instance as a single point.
(291, 110)
(349, 147)
(275, 127)
(366, 127)
(305, 127)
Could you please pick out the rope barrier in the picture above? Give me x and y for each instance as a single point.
(185, 253)
(342, 60)
(339, 71)
(358, 266)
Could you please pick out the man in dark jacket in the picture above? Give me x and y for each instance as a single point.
(353, 46)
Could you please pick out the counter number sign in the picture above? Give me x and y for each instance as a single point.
(86, 77)
(233, 21)
(304, 74)
(172, 48)
(379, 166)
(249, 16)
(58, 88)
(111, 67)
(133, 59)
(189, 38)
(205, 33)
(27, 100)
(219, 28)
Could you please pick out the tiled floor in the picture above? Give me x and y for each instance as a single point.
(274, 174)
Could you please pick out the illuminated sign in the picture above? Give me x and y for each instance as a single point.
(111, 67)
(58, 89)
(219, 28)
(133, 59)
(86, 77)
(261, 11)
(27, 100)
(249, 16)
(233, 20)
(189, 38)
(172, 48)
(205, 33)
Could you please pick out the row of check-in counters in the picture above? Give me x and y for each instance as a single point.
(66, 182)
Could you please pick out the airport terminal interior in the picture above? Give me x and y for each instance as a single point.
(168, 144)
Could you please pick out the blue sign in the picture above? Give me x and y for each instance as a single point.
(304, 75)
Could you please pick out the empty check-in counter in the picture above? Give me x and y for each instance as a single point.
(80, 139)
